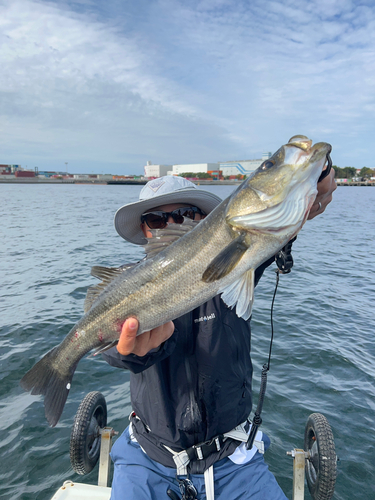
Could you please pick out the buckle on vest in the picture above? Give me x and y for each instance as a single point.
(199, 452)
(203, 450)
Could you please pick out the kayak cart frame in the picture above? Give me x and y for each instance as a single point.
(317, 462)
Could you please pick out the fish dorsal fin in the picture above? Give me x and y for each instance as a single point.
(107, 275)
(162, 238)
(240, 294)
(227, 259)
(92, 294)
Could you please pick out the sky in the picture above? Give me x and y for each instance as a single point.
(107, 85)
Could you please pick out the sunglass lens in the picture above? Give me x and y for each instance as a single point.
(188, 212)
(178, 217)
(155, 221)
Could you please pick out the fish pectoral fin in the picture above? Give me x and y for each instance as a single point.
(240, 294)
(103, 348)
(227, 259)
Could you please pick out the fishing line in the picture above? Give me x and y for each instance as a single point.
(277, 271)
(284, 262)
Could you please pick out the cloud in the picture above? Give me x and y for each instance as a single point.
(113, 84)
(70, 83)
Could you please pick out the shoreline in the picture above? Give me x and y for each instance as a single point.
(137, 182)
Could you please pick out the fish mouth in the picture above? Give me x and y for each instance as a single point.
(312, 164)
(321, 151)
(300, 141)
(317, 157)
(304, 143)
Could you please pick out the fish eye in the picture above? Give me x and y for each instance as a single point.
(268, 164)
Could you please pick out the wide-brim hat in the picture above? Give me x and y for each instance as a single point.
(161, 191)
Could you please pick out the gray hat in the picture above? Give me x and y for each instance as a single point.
(161, 191)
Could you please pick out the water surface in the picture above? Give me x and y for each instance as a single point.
(323, 355)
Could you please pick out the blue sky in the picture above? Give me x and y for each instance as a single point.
(108, 85)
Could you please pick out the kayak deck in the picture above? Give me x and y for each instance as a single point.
(79, 491)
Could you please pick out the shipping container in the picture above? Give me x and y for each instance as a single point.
(24, 173)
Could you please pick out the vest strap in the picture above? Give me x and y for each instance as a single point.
(203, 450)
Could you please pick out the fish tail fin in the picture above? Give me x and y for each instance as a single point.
(43, 378)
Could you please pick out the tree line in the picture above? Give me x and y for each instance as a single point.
(199, 175)
(350, 172)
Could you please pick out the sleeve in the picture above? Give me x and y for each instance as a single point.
(137, 364)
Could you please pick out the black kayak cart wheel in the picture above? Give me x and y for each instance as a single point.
(85, 437)
(321, 466)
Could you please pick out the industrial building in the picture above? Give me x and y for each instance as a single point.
(195, 168)
(48, 173)
(12, 171)
(8, 169)
(242, 167)
(154, 171)
(226, 169)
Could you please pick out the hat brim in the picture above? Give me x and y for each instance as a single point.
(128, 218)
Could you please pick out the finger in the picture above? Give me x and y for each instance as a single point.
(327, 185)
(153, 339)
(324, 196)
(317, 207)
(142, 344)
(315, 210)
(161, 334)
(128, 336)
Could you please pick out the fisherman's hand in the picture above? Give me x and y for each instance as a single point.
(325, 189)
(129, 343)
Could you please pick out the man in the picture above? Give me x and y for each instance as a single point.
(190, 379)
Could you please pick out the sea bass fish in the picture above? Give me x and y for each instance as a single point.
(218, 256)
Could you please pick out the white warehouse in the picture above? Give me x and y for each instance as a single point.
(194, 168)
(153, 171)
(243, 167)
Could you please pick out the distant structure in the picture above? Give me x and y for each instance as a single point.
(8, 169)
(242, 167)
(196, 168)
(12, 171)
(215, 170)
(50, 173)
(153, 171)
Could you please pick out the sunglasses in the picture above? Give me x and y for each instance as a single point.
(159, 219)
